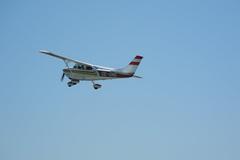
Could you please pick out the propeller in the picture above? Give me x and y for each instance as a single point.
(63, 75)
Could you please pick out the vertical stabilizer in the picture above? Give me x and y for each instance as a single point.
(132, 66)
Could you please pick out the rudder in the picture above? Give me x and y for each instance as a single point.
(133, 65)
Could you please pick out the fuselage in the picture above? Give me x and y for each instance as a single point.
(90, 75)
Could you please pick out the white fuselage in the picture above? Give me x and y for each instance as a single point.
(91, 75)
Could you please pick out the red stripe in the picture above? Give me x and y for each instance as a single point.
(138, 57)
(134, 63)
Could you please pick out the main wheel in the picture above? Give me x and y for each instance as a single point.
(70, 84)
(97, 86)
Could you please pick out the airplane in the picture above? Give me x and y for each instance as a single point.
(82, 71)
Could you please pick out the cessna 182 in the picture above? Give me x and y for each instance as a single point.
(82, 71)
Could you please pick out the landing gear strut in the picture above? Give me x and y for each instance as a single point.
(96, 86)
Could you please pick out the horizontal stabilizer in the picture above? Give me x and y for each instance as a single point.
(137, 76)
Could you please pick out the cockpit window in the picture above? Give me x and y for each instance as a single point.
(77, 67)
(82, 67)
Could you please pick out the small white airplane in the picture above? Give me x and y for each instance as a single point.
(82, 71)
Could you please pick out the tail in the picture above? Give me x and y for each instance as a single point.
(132, 66)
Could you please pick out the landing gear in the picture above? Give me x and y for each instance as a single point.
(72, 83)
(96, 86)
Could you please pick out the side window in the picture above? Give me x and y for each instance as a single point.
(88, 68)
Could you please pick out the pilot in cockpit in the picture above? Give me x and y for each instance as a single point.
(82, 67)
(78, 67)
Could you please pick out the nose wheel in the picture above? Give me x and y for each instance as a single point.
(96, 86)
(72, 83)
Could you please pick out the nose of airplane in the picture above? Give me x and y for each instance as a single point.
(66, 70)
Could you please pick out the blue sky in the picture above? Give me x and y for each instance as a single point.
(186, 106)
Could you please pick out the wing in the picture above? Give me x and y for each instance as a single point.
(65, 59)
